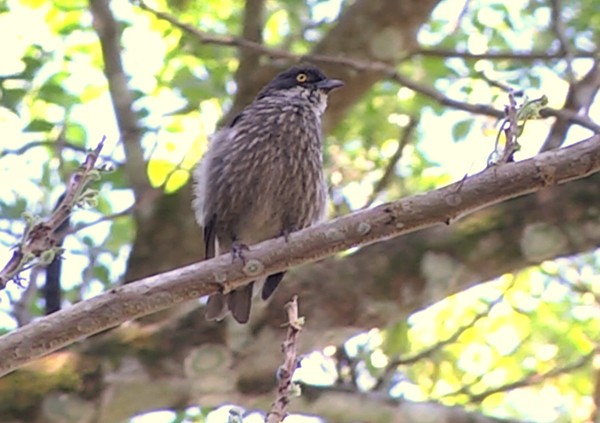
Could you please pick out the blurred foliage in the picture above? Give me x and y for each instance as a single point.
(499, 346)
(54, 103)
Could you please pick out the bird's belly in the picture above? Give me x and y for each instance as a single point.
(259, 223)
(280, 203)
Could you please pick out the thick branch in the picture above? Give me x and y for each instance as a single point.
(158, 292)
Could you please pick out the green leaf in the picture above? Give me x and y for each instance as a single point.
(15, 210)
(461, 129)
(12, 98)
(39, 125)
(396, 341)
(76, 134)
(101, 273)
(54, 93)
(121, 233)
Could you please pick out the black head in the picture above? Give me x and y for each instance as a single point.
(303, 76)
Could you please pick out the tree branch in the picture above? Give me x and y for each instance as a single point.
(57, 146)
(580, 97)
(164, 290)
(248, 59)
(558, 28)
(517, 55)
(390, 169)
(39, 240)
(382, 68)
(108, 32)
(530, 379)
(331, 402)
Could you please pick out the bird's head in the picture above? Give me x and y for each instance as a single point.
(305, 80)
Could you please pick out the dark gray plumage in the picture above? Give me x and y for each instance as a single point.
(262, 176)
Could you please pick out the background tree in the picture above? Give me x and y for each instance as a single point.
(478, 320)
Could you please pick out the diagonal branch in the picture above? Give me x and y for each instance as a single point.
(559, 30)
(534, 378)
(495, 55)
(164, 290)
(390, 169)
(122, 99)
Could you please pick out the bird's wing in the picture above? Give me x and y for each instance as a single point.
(237, 118)
(209, 237)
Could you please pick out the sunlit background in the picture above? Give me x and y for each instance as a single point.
(503, 320)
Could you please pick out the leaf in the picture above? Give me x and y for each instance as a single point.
(76, 134)
(176, 180)
(396, 341)
(101, 273)
(15, 210)
(121, 233)
(55, 93)
(461, 129)
(39, 125)
(12, 98)
(158, 171)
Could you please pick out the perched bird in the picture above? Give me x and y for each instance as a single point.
(262, 176)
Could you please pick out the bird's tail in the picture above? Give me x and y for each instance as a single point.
(237, 301)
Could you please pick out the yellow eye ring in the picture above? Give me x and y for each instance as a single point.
(301, 77)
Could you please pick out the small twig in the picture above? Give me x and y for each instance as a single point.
(106, 218)
(382, 184)
(511, 131)
(57, 146)
(39, 240)
(513, 125)
(463, 13)
(35, 144)
(285, 373)
(532, 378)
(22, 306)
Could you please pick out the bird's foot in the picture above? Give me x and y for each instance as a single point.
(237, 251)
(286, 234)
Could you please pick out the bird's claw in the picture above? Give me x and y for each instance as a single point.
(237, 251)
(286, 234)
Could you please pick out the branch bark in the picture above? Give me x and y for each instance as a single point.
(158, 292)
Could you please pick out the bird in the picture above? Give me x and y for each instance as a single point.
(262, 177)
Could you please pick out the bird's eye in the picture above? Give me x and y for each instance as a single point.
(301, 77)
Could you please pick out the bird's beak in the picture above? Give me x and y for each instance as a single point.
(329, 84)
